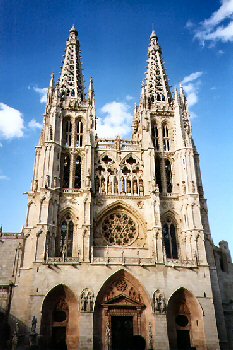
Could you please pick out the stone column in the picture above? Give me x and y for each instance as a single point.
(161, 338)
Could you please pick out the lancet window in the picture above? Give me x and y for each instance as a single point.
(78, 173)
(66, 171)
(79, 133)
(158, 177)
(168, 173)
(169, 239)
(155, 137)
(64, 241)
(68, 132)
(166, 141)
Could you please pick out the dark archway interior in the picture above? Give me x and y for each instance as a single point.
(59, 315)
(185, 322)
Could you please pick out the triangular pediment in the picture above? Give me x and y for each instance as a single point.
(123, 300)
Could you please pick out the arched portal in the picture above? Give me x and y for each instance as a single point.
(59, 323)
(122, 310)
(185, 324)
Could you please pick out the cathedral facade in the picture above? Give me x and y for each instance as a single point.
(116, 240)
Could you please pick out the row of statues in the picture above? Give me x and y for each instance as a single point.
(111, 185)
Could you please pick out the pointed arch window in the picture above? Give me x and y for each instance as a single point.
(168, 173)
(68, 133)
(66, 171)
(166, 141)
(158, 177)
(78, 173)
(155, 137)
(169, 240)
(65, 238)
(79, 133)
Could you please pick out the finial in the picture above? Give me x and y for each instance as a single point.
(153, 34)
(73, 30)
(51, 84)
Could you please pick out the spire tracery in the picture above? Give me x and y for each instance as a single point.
(156, 83)
(71, 81)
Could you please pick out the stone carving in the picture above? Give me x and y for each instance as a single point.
(159, 302)
(118, 228)
(34, 323)
(121, 285)
(87, 300)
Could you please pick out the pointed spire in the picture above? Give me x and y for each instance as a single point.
(71, 81)
(91, 93)
(156, 85)
(51, 84)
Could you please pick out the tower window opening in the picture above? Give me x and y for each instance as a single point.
(169, 240)
(155, 138)
(168, 173)
(66, 238)
(79, 135)
(66, 171)
(158, 173)
(68, 133)
(78, 169)
(166, 141)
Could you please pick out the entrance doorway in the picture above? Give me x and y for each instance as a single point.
(183, 339)
(59, 338)
(122, 332)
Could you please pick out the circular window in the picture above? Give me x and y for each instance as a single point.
(119, 229)
(182, 320)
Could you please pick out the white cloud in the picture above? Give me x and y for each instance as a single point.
(191, 85)
(129, 97)
(42, 92)
(33, 124)
(11, 122)
(4, 177)
(191, 77)
(116, 120)
(189, 24)
(219, 26)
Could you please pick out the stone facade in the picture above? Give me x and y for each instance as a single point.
(117, 240)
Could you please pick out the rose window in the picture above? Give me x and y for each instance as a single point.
(119, 229)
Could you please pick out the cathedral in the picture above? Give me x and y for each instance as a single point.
(116, 241)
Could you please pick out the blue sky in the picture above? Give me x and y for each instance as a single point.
(197, 42)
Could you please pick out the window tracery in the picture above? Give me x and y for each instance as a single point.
(78, 173)
(166, 141)
(158, 177)
(168, 172)
(66, 171)
(64, 239)
(67, 125)
(79, 133)
(118, 228)
(169, 239)
(155, 137)
(126, 178)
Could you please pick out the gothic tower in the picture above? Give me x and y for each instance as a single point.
(116, 241)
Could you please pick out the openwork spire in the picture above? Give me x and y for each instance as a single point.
(156, 87)
(71, 80)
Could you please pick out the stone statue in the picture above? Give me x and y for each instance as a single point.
(159, 302)
(33, 326)
(87, 300)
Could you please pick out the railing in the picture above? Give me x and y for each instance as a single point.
(62, 260)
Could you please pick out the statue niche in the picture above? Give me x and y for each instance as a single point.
(87, 300)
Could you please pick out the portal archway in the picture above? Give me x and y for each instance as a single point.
(122, 310)
(185, 324)
(59, 323)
